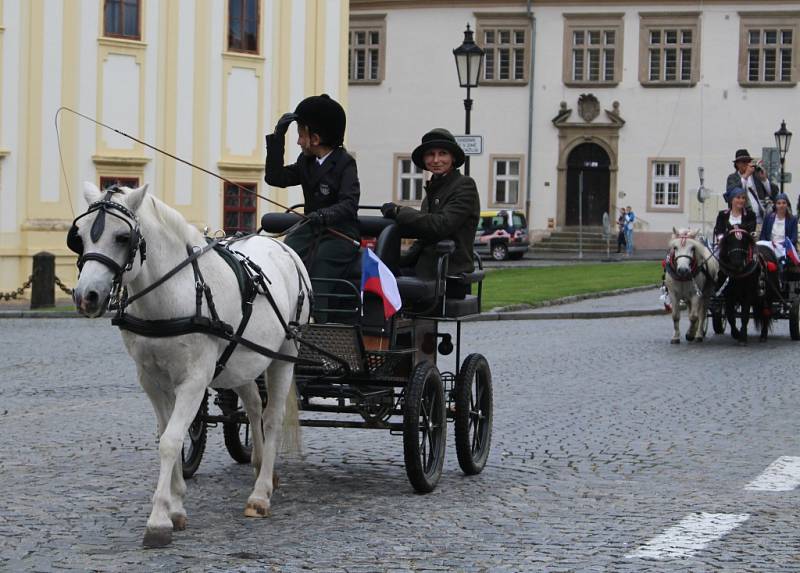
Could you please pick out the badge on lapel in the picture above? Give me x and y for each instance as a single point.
(324, 189)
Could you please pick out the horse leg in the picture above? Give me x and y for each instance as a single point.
(163, 404)
(730, 313)
(691, 304)
(746, 309)
(702, 319)
(676, 322)
(279, 383)
(252, 405)
(188, 396)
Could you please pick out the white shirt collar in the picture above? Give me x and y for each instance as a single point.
(321, 160)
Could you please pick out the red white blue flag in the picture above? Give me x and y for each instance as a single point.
(791, 252)
(378, 279)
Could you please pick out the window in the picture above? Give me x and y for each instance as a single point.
(367, 47)
(506, 181)
(669, 49)
(121, 19)
(240, 208)
(665, 181)
(504, 38)
(409, 182)
(243, 22)
(106, 182)
(593, 49)
(768, 48)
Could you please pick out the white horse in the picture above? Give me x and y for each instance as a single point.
(690, 276)
(175, 371)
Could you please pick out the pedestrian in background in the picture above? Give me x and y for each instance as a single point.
(630, 219)
(621, 230)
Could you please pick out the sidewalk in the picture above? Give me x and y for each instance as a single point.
(638, 301)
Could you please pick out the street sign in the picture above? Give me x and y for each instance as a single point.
(471, 144)
(787, 177)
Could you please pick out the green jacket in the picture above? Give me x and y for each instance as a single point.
(450, 210)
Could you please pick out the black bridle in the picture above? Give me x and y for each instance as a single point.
(136, 242)
(751, 261)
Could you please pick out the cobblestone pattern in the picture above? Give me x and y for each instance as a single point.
(604, 435)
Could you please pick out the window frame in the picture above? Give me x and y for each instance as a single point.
(122, 35)
(504, 20)
(367, 23)
(240, 209)
(781, 20)
(107, 181)
(492, 203)
(652, 207)
(397, 175)
(574, 22)
(661, 21)
(228, 47)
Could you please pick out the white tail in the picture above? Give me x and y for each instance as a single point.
(292, 434)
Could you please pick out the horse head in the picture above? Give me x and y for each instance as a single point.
(107, 240)
(683, 253)
(737, 251)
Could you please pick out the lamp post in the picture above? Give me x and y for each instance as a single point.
(469, 61)
(783, 137)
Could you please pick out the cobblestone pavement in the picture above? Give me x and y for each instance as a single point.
(605, 435)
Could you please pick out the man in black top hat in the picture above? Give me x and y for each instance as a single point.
(743, 179)
(450, 210)
(329, 178)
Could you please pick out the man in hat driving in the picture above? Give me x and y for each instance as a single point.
(329, 178)
(743, 178)
(450, 210)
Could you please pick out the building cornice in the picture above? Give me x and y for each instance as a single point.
(361, 5)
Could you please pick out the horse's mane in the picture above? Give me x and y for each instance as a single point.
(170, 219)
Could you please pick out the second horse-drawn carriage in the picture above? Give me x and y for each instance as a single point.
(358, 368)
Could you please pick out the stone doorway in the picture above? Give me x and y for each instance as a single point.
(587, 205)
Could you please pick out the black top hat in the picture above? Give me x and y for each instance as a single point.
(438, 138)
(323, 116)
(742, 155)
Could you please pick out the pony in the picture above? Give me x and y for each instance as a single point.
(178, 358)
(751, 282)
(690, 272)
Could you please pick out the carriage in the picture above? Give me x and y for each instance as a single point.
(358, 369)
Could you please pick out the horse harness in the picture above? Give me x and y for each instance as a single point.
(250, 276)
(671, 266)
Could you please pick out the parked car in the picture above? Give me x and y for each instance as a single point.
(502, 234)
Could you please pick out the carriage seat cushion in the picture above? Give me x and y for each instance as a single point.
(416, 290)
(455, 307)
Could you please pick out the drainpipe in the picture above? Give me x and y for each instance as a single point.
(528, 178)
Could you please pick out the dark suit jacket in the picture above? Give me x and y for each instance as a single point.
(331, 188)
(723, 224)
(791, 228)
(735, 180)
(450, 210)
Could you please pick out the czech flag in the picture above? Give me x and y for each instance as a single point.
(791, 252)
(378, 279)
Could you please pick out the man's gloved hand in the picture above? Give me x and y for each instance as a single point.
(283, 123)
(316, 219)
(389, 210)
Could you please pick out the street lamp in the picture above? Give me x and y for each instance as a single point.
(783, 137)
(469, 61)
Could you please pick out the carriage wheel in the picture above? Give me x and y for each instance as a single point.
(194, 442)
(473, 417)
(794, 321)
(424, 427)
(718, 322)
(238, 440)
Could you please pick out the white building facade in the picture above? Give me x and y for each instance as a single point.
(629, 97)
(202, 80)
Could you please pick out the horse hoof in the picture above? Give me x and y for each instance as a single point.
(178, 522)
(160, 537)
(689, 338)
(675, 341)
(742, 343)
(256, 509)
(699, 339)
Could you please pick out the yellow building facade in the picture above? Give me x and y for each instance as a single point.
(201, 79)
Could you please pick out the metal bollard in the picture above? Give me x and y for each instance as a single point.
(43, 288)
